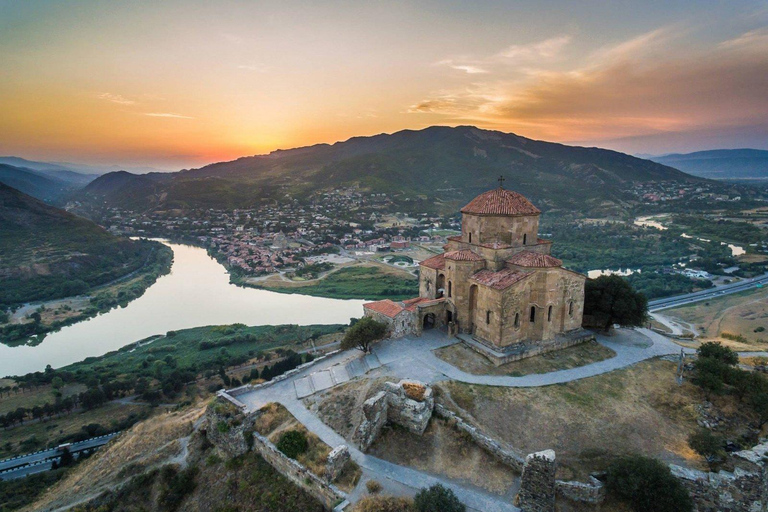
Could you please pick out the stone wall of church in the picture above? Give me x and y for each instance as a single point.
(427, 282)
(487, 318)
(485, 229)
(402, 324)
(457, 287)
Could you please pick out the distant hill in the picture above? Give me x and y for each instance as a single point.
(721, 164)
(435, 165)
(47, 253)
(47, 185)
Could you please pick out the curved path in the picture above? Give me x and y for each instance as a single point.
(413, 357)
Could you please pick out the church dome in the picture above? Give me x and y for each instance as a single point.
(500, 202)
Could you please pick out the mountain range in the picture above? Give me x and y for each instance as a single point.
(47, 183)
(46, 251)
(433, 167)
(721, 164)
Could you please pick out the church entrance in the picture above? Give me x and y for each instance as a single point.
(429, 321)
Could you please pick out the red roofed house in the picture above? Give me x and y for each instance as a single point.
(496, 285)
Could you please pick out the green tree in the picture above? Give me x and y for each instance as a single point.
(715, 350)
(612, 300)
(293, 443)
(363, 334)
(57, 383)
(437, 499)
(647, 484)
(710, 375)
(707, 444)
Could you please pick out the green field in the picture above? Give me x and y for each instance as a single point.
(368, 283)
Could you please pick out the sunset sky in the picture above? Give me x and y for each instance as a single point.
(177, 84)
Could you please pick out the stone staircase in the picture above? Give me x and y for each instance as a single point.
(335, 375)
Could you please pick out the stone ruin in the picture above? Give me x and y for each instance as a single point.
(537, 483)
(743, 490)
(408, 403)
(336, 462)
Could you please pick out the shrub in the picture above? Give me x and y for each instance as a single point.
(293, 443)
(647, 484)
(373, 486)
(363, 334)
(714, 350)
(177, 485)
(707, 444)
(437, 499)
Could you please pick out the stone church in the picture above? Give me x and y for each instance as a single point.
(496, 286)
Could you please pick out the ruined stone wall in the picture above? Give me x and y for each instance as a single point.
(226, 427)
(407, 403)
(374, 417)
(743, 490)
(537, 484)
(337, 460)
(412, 408)
(592, 492)
(328, 494)
(503, 454)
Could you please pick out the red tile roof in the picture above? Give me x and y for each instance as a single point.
(463, 255)
(435, 262)
(500, 202)
(385, 307)
(454, 238)
(500, 280)
(534, 259)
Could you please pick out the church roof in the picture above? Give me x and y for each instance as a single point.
(413, 304)
(463, 255)
(534, 259)
(386, 307)
(500, 202)
(500, 280)
(435, 262)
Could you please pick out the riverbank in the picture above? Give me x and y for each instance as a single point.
(30, 322)
(365, 281)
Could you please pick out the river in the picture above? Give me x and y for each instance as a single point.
(197, 292)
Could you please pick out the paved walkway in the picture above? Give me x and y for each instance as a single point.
(413, 357)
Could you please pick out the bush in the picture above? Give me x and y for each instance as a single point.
(707, 444)
(714, 350)
(437, 499)
(373, 486)
(177, 485)
(363, 334)
(647, 484)
(293, 443)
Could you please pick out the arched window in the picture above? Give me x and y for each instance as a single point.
(533, 314)
(525, 237)
(517, 320)
(487, 317)
(549, 314)
(449, 289)
(470, 238)
(570, 308)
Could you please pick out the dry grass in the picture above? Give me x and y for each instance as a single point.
(39, 396)
(466, 359)
(50, 431)
(444, 451)
(341, 407)
(739, 313)
(148, 444)
(276, 419)
(588, 422)
(414, 391)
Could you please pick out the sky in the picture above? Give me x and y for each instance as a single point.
(179, 84)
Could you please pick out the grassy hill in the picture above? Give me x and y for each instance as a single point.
(47, 253)
(436, 168)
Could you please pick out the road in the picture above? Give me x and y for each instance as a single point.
(41, 461)
(711, 293)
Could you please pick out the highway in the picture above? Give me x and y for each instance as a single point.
(710, 293)
(37, 462)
